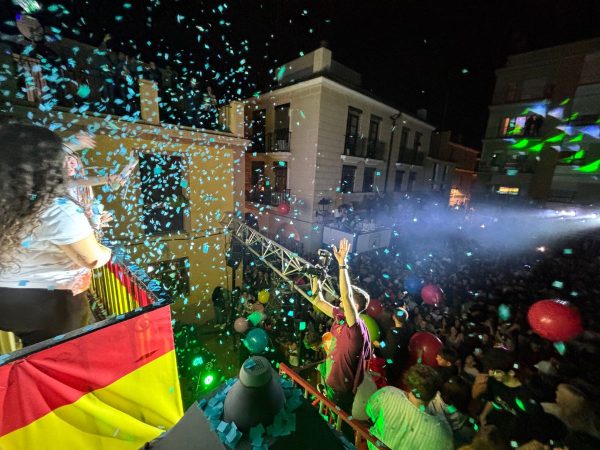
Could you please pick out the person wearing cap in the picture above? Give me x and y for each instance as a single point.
(352, 348)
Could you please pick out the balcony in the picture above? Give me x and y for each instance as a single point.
(279, 140)
(91, 377)
(121, 287)
(375, 149)
(267, 196)
(361, 147)
(354, 146)
(86, 88)
(411, 156)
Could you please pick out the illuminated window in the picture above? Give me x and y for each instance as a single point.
(513, 126)
(505, 190)
(457, 197)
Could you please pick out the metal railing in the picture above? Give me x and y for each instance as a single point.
(268, 197)
(411, 156)
(354, 146)
(119, 288)
(334, 415)
(279, 140)
(375, 149)
(88, 88)
(362, 147)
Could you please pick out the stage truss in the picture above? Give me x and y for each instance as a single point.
(285, 263)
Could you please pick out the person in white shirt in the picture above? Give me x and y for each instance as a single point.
(402, 421)
(47, 245)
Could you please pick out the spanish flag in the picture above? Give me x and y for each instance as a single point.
(113, 388)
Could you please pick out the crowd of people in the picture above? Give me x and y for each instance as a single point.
(494, 384)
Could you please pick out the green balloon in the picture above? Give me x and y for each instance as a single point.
(372, 327)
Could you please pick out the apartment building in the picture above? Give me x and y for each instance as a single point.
(168, 216)
(541, 141)
(318, 140)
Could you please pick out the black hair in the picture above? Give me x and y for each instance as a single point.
(449, 354)
(498, 359)
(457, 393)
(32, 175)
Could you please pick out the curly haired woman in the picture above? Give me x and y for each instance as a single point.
(47, 245)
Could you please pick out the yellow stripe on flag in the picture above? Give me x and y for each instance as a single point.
(122, 416)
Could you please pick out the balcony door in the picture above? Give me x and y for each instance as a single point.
(282, 128)
(257, 130)
(281, 172)
(164, 205)
(352, 123)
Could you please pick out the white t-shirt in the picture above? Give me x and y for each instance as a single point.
(41, 263)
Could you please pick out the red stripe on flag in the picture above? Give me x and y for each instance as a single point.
(60, 375)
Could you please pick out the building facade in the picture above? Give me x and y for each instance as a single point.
(541, 141)
(319, 141)
(167, 217)
(456, 168)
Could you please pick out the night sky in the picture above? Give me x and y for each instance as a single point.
(413, 53)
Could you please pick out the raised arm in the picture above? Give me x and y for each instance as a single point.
(341, 256)
(317, 297)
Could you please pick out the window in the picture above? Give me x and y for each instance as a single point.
(352, 122)
(280, 139)
(398, 180)
(513, 126)
(368, 179)
(162, 193)
(444, 180)
(504, 190)
(412, 176)
(374, 128)
(282, 117)
(434, 174)
(404, 137)
(173, 276)
(257, 129)
(512, 92)
(347, 183)
(417, 141)
(280, 169)
(258, 173)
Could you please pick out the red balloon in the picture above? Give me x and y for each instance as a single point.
(427, 344)
(283, 208)
(374, 309)
(432, 294)
(555, 320)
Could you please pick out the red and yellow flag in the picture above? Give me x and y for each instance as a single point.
(114, 388)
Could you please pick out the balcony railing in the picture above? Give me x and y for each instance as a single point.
(375, 149)
(279, 140)
(332, 413)
(267, 197)
(411, 156)
(120, 287)
(117, 288)
(86, 88)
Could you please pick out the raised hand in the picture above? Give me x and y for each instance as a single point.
(341, 254)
